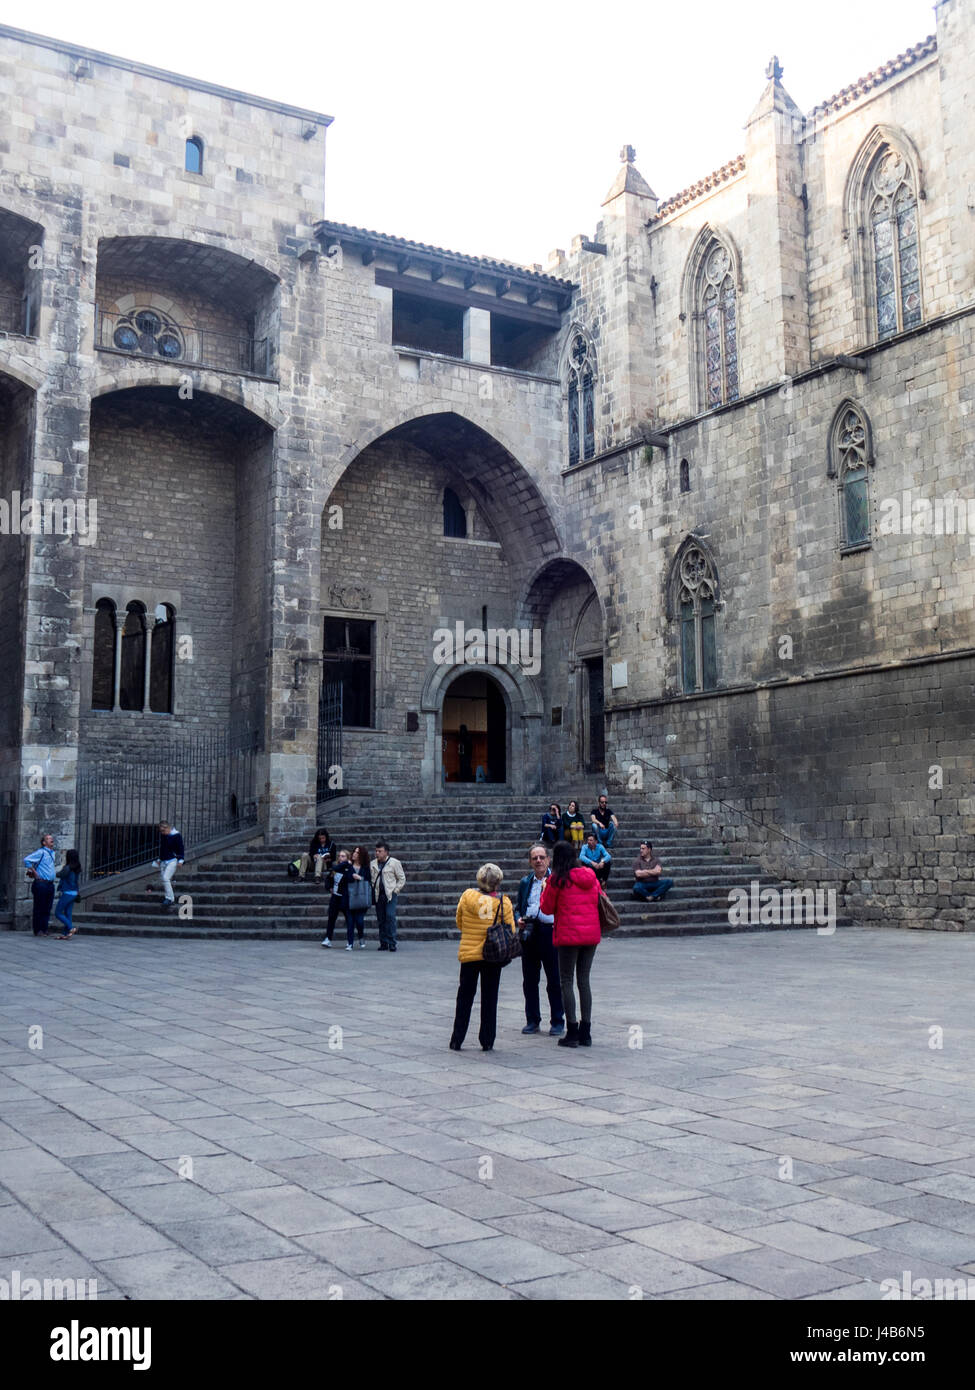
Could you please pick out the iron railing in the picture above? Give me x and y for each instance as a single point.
(205, 786)
(16, 314)
(330, 778)
(148, 334)
(7, 871)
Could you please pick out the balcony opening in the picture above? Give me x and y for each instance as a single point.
(427, 326)
(517, 345)
(21, 261)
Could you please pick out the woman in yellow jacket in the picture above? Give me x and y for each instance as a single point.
(477, 910)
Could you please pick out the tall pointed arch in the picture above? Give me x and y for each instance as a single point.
(849, 460)
(710, 293)
(884, 190)
(578, 373)
(693, 601)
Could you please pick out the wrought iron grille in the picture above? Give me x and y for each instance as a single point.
(16, 314)
(330, 779)
(205, 786)
(148, 333)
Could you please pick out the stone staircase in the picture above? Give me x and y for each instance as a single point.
(441, 841)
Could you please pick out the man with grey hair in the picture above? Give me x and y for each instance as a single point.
(537, 952)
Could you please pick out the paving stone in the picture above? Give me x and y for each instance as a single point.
(168, 1274)
(227, 1173)
(507, 1260)
(437, 1281)
(366, 1250)
(431, 1225)
(764, 1192)
(21, 1231)
(845, 1218)
(109, 1237)
(781, 1274)
(929, 1242)
(296, 1277)
(689, 1240)
(291, 1210)
(584, 1285)
(795, 1238)
(645, 1270)
(221, 1240)
(553, 1232)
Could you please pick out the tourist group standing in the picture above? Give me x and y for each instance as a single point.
(356, 883)
(44, 880)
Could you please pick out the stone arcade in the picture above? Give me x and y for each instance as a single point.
(312, 446)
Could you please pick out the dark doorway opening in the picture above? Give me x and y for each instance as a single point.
(474, 729)
(596, 729)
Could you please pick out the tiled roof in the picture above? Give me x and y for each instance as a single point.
(907, 59)
(697, 190)
(843, 98)
(395, 243)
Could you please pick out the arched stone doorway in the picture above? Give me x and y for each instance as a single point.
(562, 603)
(474, 730)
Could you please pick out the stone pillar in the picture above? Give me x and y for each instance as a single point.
(54, 600)
(778, 296)
(626, 351)
(477, 336)
(956, 66)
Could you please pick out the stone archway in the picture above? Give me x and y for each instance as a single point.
(521, 725)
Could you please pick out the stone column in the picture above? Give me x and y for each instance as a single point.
(477, 336)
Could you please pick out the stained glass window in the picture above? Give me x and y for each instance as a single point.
(851, 455)
(719, 311)
(896, 257)
(580, 402)
(697, 595)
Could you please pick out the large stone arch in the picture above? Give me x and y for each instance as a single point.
(524, 713)
(564, 604)
(388, 567)
(251, 397)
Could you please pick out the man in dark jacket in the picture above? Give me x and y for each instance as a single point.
(171, 856)
(538, 952)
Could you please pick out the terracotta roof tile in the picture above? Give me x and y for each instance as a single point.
(907, 59)
(697, 190)
(397, 243)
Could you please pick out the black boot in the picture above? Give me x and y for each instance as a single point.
(585, 1033)
(571, 1038)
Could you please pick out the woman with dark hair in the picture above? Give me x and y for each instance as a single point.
(551, 825)
(321, 852)
(69, 876)
(571, 896)
(361, 874)
(573, 825)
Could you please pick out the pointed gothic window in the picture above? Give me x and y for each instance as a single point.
(850, 459)
(894, 231)
(580, 401)
(132, 672)
(454, 516)
(161, 660)
(685, 476)
(697, 588)
(718, 310)
(103, 664)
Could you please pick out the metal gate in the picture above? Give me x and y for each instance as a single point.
(330, 776)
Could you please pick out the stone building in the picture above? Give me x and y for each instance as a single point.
(681, 472)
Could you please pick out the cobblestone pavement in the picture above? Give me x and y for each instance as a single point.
(271, 1120)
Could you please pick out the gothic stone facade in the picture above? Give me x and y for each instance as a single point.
(691, 456)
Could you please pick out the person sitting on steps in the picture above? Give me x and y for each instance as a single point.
(596, 857)
(648, 884)
(321, 852)
(551, 825)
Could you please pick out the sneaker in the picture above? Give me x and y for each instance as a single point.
(327, 943)
(383, 947)
(530, 1028)
(392, 948)
(348, 948)
(362, 945)
(556, 1030)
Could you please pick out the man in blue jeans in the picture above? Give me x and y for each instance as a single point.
(538, 953)
(648, 883)
(604, 823)
(388, 879)
(40, 870)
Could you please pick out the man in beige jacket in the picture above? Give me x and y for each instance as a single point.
(388, 879)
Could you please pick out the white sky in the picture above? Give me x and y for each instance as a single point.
(495, 128)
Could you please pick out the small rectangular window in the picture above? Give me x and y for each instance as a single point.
(348, 659)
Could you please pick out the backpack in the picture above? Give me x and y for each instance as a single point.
(294, 868)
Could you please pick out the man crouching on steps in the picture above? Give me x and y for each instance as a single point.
(170, 858)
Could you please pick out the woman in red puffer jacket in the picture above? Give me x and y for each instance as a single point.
(571, 896)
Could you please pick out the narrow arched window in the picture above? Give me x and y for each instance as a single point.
(894, 231)
(685, 476)
(454, 516)
(132, 668)
(194, 155)
(104, 650)
(697, 589)
(718, 312)
(161, 654)
(581, 401)
(850, 458)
